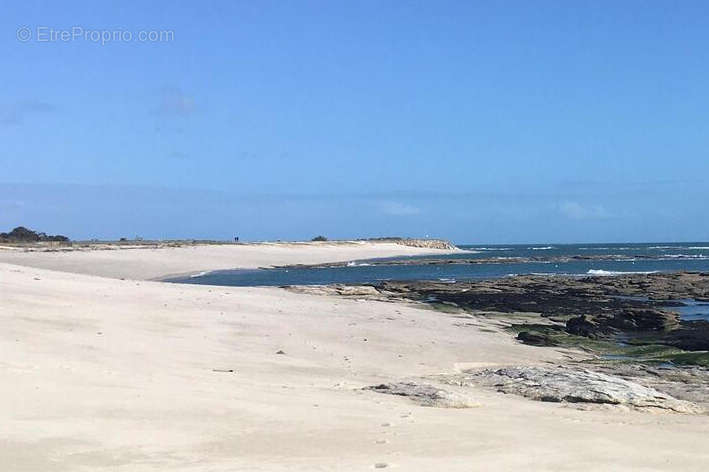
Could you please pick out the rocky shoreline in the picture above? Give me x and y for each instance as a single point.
(636, 308)
(440, 244)
(625, 326)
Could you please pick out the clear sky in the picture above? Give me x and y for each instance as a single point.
(510, 121)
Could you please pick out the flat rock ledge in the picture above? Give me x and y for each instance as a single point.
(363, 291)
(557, 384)
(425, 394)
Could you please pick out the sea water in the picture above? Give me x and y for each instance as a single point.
(624, 258)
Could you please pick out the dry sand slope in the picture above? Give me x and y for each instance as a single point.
(129, 375)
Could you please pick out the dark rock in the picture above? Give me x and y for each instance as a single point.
(692, 336)
(645, 320)
(535, 339)
(580, 326)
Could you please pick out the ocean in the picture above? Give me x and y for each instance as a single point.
(483, 262)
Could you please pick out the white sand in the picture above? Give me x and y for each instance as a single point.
(106, 374)
(152, 263)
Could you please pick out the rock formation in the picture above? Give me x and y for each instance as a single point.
(424, 394)
(556, 384)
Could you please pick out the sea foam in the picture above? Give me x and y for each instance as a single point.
(607, 273)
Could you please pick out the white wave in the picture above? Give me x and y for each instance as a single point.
(606, 273)
(545, 248)
(544, 274)
(493, 248)
(619, 248)
(199, 274)
(683, 256)
(691, 248)
(357, 264)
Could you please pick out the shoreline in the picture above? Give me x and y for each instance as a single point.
(604, 322)
(218, 378)
(155, 262)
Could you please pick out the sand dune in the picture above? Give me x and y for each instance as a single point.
(99, 373)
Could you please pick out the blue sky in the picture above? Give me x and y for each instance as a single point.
(475, 121)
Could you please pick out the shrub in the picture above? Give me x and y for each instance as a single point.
(22, 234)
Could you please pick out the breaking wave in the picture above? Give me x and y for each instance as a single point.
(601, 272)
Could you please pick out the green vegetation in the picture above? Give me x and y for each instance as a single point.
(700, 358)
(554, 335)
(24, 235)
(638, 350)
(444, 307)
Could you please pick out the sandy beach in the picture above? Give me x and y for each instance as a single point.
(145, 262)
(105, 368)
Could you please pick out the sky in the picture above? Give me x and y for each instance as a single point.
(479, 122)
